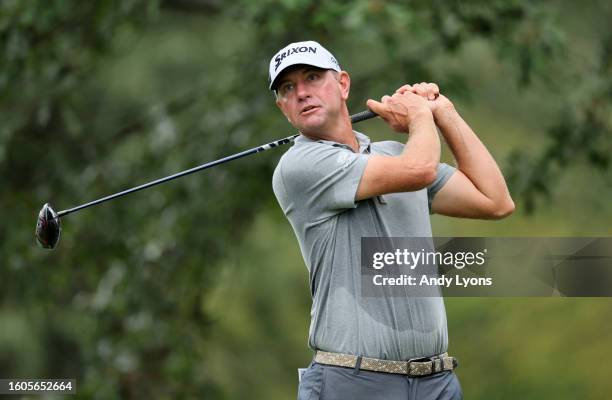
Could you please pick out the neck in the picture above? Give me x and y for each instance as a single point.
(339, 130)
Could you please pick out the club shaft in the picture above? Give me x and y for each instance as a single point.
(361, 116)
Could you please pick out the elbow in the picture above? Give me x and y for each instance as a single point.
(503, 210)
(420, 177)
(412, 177)
(429, 174)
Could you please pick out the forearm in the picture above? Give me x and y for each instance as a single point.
(473, 158)
(413, 169)
(423, 145)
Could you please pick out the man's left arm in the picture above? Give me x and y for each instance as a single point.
(477, 189)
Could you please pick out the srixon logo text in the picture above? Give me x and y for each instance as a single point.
(304, 49)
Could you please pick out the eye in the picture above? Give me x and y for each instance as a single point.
(313, 76)
(285, 88)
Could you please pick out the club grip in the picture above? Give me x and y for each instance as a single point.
(362, 116)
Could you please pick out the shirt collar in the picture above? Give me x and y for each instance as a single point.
(364, 142)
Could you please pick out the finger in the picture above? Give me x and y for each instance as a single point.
(431, 90)
(406, 94)
(376, 106)
(420, 89)
(436, 90)
(404, 88)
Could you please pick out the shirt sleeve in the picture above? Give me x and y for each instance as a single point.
(444, 172)
(318, 181)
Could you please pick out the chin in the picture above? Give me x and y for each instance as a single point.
(311, 130)
(314, 125)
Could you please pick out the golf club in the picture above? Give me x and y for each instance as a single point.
(48, 226)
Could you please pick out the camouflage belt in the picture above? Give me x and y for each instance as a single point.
(420, 367)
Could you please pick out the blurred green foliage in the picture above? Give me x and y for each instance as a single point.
(197, 288)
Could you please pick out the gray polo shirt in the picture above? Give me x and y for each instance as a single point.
(315, 183)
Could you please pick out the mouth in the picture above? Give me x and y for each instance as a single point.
(308, 110)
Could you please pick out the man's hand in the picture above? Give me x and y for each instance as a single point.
(402, 110)
(438, 103)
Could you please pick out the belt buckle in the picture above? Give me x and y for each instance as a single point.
(417, 369)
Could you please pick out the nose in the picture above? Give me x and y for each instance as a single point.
(301, 90)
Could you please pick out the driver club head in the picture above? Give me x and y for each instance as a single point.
(48, 227)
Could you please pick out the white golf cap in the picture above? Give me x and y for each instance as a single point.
(308, 53)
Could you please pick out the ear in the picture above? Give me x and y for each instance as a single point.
(345, 84)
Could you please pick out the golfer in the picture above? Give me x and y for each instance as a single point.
(335, 186)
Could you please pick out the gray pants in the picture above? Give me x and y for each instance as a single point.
(326, 382)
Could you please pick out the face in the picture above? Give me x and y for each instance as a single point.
(312, 98)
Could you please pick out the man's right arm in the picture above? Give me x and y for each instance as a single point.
(416, 167)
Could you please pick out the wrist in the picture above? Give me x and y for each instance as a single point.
(445, 114)
(423, 114)
(420, 118)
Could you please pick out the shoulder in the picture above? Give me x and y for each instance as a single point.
(313, 162)
(306, 156)
(387, 147)
(298, 161)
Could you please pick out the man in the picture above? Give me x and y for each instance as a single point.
(335, 187)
